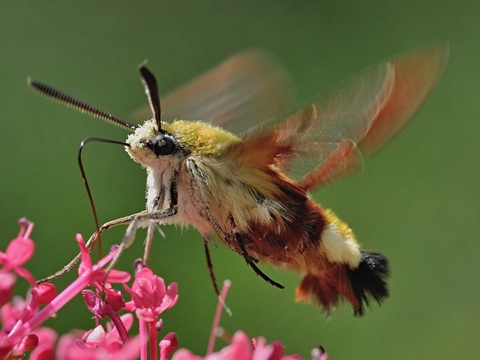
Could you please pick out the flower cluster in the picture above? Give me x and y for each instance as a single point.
(21, 319)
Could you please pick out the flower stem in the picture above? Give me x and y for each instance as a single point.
(152, 329)
(119, 325)
(56, 304)
(143, 338)
(218, 315)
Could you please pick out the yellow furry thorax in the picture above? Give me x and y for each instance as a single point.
(200, 137)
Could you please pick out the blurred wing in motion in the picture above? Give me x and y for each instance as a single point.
(241, 92)
(324, 140)
(416, 74)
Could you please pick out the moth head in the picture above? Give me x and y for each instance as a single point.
(150, 146)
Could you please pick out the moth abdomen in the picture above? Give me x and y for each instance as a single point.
(359, 286)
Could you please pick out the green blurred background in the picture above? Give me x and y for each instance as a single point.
(416, 201)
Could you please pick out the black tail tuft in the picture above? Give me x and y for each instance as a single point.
(368, 280)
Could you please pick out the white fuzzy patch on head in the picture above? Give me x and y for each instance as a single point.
(147, 131)
(137, 149)
(340, 248)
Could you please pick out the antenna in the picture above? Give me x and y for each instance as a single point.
(151, 89)
(79, 105)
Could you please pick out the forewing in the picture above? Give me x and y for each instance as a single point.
(339, 121)
(416, 74)
(318, 142)
(243, 91)
(324, 140)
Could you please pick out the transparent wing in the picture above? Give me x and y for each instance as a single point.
(243, 91)
(324, 139)
(325, 132)
(416, 74)
(338, 122)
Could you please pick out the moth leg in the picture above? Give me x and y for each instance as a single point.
(148, 244)
(196, 173)
(210, 265)
(127, 240)
(250, 261)
(129, 236)
(59, 273)
(92, 241)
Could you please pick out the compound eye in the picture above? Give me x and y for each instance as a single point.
(164, 146)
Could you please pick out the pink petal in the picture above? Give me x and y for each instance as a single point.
(86, 261)
(20, 250)
(11, 312)
(43, 352)
(170, 298)
(70, 348)
(145, 291)
(114, 299)
(28, 343)
(94, 303)
(146, 314)
(111, 254)
(262, 351)
(158, 287)
(44, 293)
(168, 345)
(144, 272)
(278, 350)
(137, 299)
(118, 276)
(112, 333)
(184, 354)
(239, 349)
(46, 335)
(7, 281)
(25, 274)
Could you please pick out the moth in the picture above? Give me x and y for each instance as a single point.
(224, 155)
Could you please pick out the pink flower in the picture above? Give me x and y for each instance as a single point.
(100, 344)
(21, 320)
(19, 251)
(10, 313)
(111, 303)
(71, 348)
(46, 344)
(241, 349)
(110, 339)
(150, 296)
(41, 294)
(8, 351)
(95, 274)
(88, 275)
(109, 306)
(275, 351)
